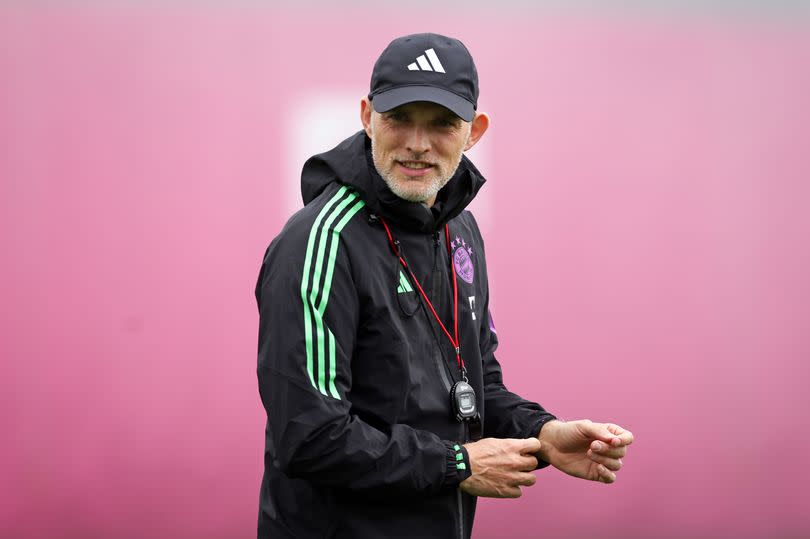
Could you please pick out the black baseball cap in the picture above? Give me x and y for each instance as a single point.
(425, 67)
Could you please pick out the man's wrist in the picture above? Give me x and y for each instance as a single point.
(545, 434)
(546, 420)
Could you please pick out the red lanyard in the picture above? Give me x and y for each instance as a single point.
(455, 342)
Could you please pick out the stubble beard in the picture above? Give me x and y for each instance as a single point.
(424, 192)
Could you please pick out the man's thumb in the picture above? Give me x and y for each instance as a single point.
(531, 445)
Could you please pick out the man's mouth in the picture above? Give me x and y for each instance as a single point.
(414, 165)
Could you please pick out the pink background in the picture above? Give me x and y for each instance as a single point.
(647, 236)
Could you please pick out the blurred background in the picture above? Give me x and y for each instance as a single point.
(647, 229)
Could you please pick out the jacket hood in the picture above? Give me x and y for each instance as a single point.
(350, 163)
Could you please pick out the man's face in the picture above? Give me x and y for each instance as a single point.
(417, 148)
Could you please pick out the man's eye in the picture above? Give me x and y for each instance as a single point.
(397, 116)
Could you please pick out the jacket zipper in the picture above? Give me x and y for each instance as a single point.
(441, 362)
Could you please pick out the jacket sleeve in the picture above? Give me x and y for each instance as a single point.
(308, 320)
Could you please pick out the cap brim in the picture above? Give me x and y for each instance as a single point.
(385, 101)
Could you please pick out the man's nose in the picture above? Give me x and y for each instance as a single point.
(418, 140)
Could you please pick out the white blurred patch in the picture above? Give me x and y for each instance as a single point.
(316, 123)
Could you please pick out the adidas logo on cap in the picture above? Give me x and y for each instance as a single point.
(427, 62)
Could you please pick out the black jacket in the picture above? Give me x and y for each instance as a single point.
(354, 371)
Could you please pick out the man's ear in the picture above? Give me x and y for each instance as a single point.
(365, 114)
(479, 126)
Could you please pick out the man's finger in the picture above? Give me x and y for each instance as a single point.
(526, 479)
(528, 462)
(598, 431)
(510, 492)
(605, 475)
(612, 464)
(607, 432)
(624, 435)
(607, 450)
(528, 445)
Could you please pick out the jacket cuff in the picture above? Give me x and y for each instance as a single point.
(457, 464)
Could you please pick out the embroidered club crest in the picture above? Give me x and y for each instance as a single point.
(462, 259)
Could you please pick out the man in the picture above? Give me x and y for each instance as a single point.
(386, 411)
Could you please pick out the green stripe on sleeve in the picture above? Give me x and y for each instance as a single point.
(315, 300)
(313, 295)
(330, 269)
(332, 389)
(313, 232)
(327, 286)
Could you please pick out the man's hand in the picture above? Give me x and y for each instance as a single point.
(585, 449)
(500, 467)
